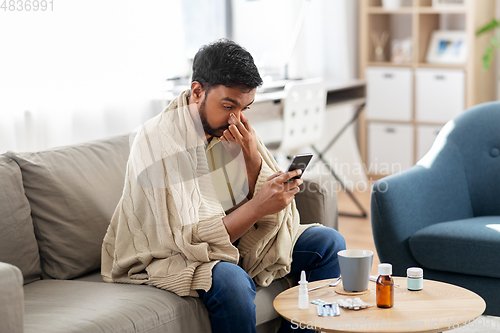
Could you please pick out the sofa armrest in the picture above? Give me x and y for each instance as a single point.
(11, 299)
(317, 204)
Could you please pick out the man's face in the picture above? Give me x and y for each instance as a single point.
(219, 103)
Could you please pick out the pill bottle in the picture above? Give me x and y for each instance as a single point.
(415, 278)
(385, 286)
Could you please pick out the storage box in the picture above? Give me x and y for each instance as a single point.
(390, 148)
(440, 94)
(389, 93)
(426, 135)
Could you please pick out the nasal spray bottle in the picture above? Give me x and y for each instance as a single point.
(303, 292)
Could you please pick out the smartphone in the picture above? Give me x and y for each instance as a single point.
(299, 161)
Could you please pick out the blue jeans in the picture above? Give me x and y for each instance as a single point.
(230, 300)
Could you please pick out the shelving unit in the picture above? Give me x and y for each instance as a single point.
(397, 91)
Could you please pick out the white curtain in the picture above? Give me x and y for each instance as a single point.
(85, 70)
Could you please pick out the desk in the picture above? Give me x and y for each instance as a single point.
(266, 113)
(436, 308)
(339, 92)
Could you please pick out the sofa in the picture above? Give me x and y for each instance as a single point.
(55, 207)
(443, 214)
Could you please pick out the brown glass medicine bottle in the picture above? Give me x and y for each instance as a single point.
(385, 286)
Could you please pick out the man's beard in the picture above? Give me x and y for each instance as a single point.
(204, 121)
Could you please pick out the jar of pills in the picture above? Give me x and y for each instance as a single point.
(385, 286)
(415, 278)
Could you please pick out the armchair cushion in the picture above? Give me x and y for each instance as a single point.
(469, 246)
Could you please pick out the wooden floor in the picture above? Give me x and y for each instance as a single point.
(357, 231)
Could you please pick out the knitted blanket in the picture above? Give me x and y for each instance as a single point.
(167, 229)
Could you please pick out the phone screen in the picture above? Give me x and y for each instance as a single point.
(299, 161)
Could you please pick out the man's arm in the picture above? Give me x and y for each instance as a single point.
(253, 170)
(274, 196)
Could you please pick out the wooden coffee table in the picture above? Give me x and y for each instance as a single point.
(438, 307)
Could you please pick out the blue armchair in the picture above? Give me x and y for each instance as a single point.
(443, 214)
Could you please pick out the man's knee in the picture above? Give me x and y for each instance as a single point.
(337, 240)
(232, 291)
(232, 279)
(329, 238)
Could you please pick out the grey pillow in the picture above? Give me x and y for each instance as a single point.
(73, 192)
(17, 239)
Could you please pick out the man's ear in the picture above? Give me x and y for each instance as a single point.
(197, 92)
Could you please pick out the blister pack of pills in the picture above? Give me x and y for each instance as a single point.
(353, 303)
(326, 309)
(320, 302)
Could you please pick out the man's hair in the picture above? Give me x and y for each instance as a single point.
(224, 62)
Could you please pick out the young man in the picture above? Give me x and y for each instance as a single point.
(205, 210)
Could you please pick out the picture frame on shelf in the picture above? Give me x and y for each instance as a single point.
(447, 47)
(448, 3)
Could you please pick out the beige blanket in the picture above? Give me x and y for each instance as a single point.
(167, 229)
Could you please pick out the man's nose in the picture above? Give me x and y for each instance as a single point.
(237, 115)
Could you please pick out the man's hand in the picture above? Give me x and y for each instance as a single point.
(243, 134)
(275, 194)
(272, 198)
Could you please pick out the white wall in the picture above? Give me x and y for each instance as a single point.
(264, 29)
(327, 45)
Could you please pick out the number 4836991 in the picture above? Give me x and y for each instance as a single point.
(27, 5)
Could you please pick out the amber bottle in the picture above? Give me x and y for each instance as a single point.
(385, 286)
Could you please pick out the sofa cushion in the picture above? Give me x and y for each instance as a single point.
(82, 306)
(73, 192)
(62, 306)
(469, 246)
(17, 239)
(263, 300)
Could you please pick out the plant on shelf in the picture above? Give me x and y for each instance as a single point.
(488, 55)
